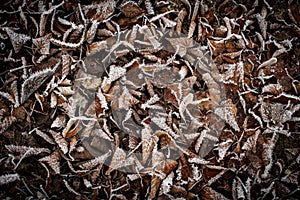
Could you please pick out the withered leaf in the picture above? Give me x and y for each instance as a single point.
(43, 44)
(8, 178)
(130, 9)
(209, 193)
(59, 122)
(60, 141)
(17, 39)
(70, 188)
(99, 12)
(6, 122)
(29, 151)
(148, 143)
(96, 161)
(223, 148)
(53, 161)
(44, 136)
(34, 81)
(119, 160)
(227, 113)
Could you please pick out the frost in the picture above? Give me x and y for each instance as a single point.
(227, 113)
(96, 161)
(223, 148)
(8, 178)
(17, 39)
(34, 81)
(53, 161)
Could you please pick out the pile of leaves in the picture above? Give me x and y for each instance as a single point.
(47, 149)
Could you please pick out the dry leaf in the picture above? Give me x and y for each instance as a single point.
(119, 160)
(29, 151)
(60, 141)
(44, 136)
(96, 161)
(226, 112)
(130, 9)
(223, 148)
(43, 44)
(59, 122)
(8, 178)
(53, 161)
(6, 122)
(34, 81)
(17, 39)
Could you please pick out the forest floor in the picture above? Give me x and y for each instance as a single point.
(144, 99)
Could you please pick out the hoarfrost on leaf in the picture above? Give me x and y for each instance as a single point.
(227, 113)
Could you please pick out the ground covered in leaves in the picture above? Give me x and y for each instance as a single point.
(222, 76)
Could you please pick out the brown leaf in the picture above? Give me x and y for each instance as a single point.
(34, 81)
(73, 132)
(131, 9)
(227, 112)
(17, 39)
(209, 193)
(5, 179)
(96, 161)
(29, 151)
(43, 44)
(119, 160)
(44, 136)
(60, 141)
(6, 122)
(53, 161)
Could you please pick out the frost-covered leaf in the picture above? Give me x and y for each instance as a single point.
(59, 122)
(6, 122)
(209, 193)
(44, 136)
(250, 144)
(119, 160)
(70, 188)
(148, 143)
(166, 184)
(53, 161)
(130, 9)
(17, 39)
(8, 178)
(223, 148)
(60, 141)
(34, 81)
(29, 151)
(99, 11)
(94, 162)
(43, 44)
(227, 112)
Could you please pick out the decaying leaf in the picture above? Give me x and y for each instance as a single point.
(142, 82)
(100, 11)
(53, 161)
(227, 112)
(44, 136)
(119, 160)
(70, 188)
(96, 161)
(223, 148)
(29, 151)
(6, 122)
(17, 39)
(43, 44)
(8, 178)
(250, 144)
(59, 122)
(130, 9)
(33, 82)
(60, 141)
